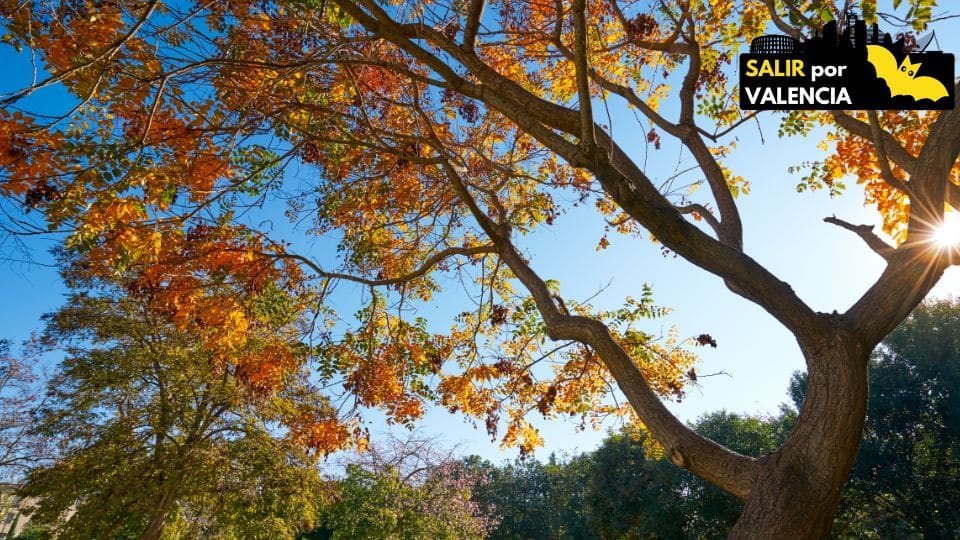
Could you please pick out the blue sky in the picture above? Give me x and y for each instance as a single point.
(828, 267)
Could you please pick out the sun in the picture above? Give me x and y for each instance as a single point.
(947, 234)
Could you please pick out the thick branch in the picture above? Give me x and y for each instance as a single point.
(931, 177)
(530, 112)
(474, 14)
(731, 227)
(865, 232)
(639, 198)
(581, 63)
(730, 231)
(623, 91)
(630, 187)
(731, 471)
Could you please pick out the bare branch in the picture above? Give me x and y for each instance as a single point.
(865, 232)
(702, 211)
(717, 135)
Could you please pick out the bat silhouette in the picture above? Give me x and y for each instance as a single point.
(902, 79)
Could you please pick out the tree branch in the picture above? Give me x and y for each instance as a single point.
(474, 14)
(581, 70)
(865, 232)
(731, 471)
(895, 151)
(702, 211)
(420, 271)
(107, 53)
(882, 160)
(918, 264)
(667, 45)
(730, 230)
(729, 227)
(717, 135)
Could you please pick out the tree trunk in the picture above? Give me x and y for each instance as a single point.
(798, 487)
(159, 516)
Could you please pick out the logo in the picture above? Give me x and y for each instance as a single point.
(902, 79)
(848, 70)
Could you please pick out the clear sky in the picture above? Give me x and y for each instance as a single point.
(828, 267)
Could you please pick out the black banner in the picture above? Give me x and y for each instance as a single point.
(852, 70)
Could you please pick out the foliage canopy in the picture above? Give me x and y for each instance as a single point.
(440, 133)
(154, 434)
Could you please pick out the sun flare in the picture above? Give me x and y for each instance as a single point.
(947, 234)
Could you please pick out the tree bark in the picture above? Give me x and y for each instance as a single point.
(798, 488)
(159, 517)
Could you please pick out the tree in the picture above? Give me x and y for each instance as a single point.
(443, 132)
(632, 493)
(905, 482)
(20, 448)
(624, 488)
(533, 499)
(383, 504)
(908, 459)
(156, 436)
(407, 489)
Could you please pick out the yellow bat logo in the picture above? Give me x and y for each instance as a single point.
(902, 79)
